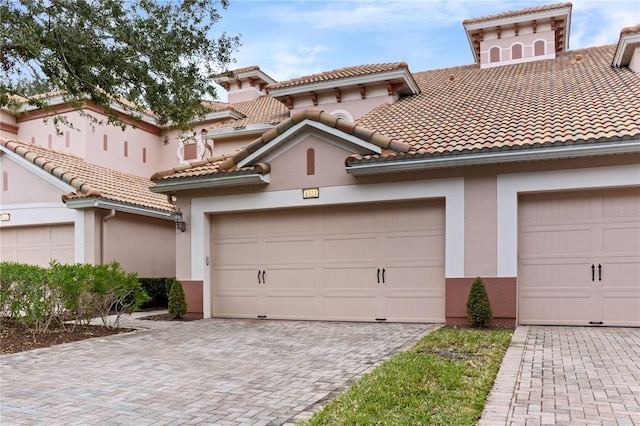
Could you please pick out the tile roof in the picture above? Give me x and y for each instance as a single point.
(519, 12)
(264, 110)
(341, 73)
(89, 180)
(228, 163)
(574, 99)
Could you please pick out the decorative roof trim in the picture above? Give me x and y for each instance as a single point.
(84, 202)
(209, 181)
(230, 132)
(629, 40)
(483, 158)
(379, 77)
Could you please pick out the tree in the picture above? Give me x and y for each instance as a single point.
(479, 310)
(177, 301)
(136, 55)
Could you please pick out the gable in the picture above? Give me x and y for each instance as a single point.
(20, 185)
(311, 161)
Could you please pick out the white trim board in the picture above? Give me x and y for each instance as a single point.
(510, 185)
(451, 189)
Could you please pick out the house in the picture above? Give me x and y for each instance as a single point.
(374, 193)
(366, 193)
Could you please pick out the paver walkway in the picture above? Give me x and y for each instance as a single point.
(223, 372)
(568, 376)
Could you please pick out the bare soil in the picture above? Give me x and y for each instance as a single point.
(15, 337)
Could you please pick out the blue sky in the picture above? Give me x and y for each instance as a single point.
(289, 39)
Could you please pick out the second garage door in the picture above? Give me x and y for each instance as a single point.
(580, 258)
(356, 263)
(37, 245)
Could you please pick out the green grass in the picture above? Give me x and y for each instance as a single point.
(443, 380)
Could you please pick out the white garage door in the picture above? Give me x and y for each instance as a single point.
(579, 258)
(37, 245)
(364, 263)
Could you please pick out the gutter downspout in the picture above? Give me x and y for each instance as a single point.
(105, 219)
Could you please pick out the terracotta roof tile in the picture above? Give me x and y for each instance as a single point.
(518, 12)
(264, 110)
(226, 164)
(340, 74)
(90, 180)
(576, 98)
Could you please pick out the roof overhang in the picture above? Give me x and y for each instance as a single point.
(410, 87)
(171, 186)
(90, 202)
(625, 49)
(484, 158)
(232, 132)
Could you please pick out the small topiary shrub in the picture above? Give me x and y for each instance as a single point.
(177, 301)
(478, 305)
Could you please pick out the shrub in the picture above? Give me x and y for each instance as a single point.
(478, 305)
(177, 302)
(157, 290)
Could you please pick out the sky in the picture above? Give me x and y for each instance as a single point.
(290, 39)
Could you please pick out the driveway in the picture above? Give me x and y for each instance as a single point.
(568, 376)
(215, 371)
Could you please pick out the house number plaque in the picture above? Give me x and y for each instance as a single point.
(310, 193)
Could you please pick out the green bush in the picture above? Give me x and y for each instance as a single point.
(39, 297)
(478, 305)
(158, 292)
(177, 302)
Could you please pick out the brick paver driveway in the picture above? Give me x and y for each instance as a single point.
(568, 376)
(215, 371)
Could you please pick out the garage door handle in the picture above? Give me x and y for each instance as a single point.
(599, 272)
(383, 271)
(259, 277)
(378, 275)
(264, 280)
(593, 272)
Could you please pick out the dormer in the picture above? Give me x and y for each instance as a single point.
(349, 92)
(244, 84)
(519, 36)
(628, 49)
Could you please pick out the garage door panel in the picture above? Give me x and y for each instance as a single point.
(349, 249)
(422, 277)
(622, 309)
(288, 306)
(234, 279)
(291, 249)
(341, 220)
(344, 307)
(413, 307)
(563, 309)
(556, 275)
(285, 222)
(277, 278)
(38, 245)
(621, 240)
(235, 306)
(349, 277)
(244, 225)
(423, 216)
(621, 273)
(235, 253)
(556, 241)
(409, 246)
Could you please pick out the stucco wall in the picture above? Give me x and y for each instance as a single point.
(140, 244)
(20, 186)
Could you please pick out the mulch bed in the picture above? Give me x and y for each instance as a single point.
(16, 337)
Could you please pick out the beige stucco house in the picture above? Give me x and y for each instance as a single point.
(385, 192)
(375, 193)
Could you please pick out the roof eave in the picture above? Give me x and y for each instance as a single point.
(85, 202)
(622, 55)
(484, 158)
(399, 74)
(208, 182)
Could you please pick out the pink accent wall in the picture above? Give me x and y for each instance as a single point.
(634, 65)
(501, 292)
(193, 296)
(527, 40)
(8, 125)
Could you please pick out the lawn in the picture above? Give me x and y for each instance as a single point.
(443, 380)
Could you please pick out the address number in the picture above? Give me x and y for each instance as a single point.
(310, 193)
